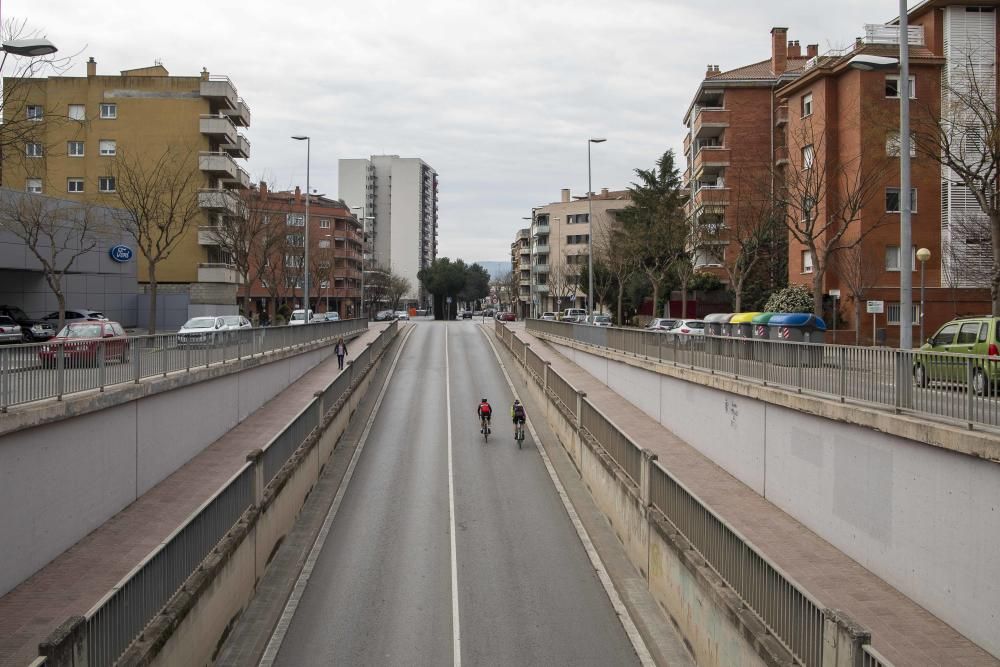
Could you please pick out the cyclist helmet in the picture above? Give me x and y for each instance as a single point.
(484, 400)
(517, 402)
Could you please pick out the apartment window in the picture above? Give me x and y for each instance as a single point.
(807, 104)
(109, 110)
(33, 149)
(324, 243)
(892, 145)
(77, 112)
(808, 155)
(293, 261)
(892, 87)
(892, 202)
(35, 112)
(34, 186)
(74, 148)
(892, 258)
(74, 185)
(892, 313)
(106, 183)
(324, 223)
(295, 240)
(109, 147)
(807, 262)
(295, 220)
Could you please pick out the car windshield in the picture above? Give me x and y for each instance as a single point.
(17, 313)
(696, 325)
(602, 318)
(232, 320)
(81, 331)
(200, 323)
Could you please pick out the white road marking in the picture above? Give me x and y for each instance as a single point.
(281, 629)
(595, 559)
(455, 628)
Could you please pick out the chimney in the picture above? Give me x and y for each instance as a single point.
(262, 189)
(204, 74)
(604, 193)
(779, 50)
(298, 193)
(794, 50)
(812, 50)
(91, 67)
(709, 71)
(565, 195)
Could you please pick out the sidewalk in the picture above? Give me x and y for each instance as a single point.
(72, 583)
(902, 631)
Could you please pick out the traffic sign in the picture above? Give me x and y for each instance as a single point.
(835, 293)
(876, 307)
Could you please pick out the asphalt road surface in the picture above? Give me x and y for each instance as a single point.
(390, 581)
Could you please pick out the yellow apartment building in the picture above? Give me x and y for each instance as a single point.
(84, 123)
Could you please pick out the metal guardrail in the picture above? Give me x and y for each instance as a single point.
(38, 371)
(795, 617)
(960, 388)
(120, 616)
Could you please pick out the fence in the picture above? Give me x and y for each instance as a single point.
(120, 616)
(950, 386)
(796, 618)
(38, 371)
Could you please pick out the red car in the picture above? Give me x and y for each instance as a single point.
(507, 317)
(80, 342)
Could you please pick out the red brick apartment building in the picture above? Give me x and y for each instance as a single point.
(842, 133)
(733, 134)
(335, 245)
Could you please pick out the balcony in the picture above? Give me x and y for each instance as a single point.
(781, 115)
(219, 200)
(220, 164)
(781, 155)
(687, 143)
(219, 127)
(542, 288)
(541, 248)
(711, 160)
(218, 273)
(542, 268)
(710, 122)
(711, 196)
(541, 228)
(238, 148)
(209, 235)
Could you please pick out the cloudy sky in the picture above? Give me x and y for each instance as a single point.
(498, 96)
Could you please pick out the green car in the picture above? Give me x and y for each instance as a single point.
(958, 341)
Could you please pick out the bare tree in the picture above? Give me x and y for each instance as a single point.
(509, 288)
(824, 194)
(963, 135)
(611, 249)
(159, 193)
(398, 287)
(564, 279)
(859, 274)
(377, 286)
(56, 232)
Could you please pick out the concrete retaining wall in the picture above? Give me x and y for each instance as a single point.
(921, 517)
(61, 480)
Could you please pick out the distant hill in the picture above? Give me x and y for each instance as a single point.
(496, 269)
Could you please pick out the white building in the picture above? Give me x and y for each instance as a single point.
(398, 198)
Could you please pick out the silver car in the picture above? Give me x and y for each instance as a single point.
(75, 315)
(599, 320)
(10, 331)
(205, 330)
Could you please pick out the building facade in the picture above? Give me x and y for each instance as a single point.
(729, 147)
(83, 125)
(843, 125)
(560, 239)
(398, 198)
(277, 267)
(520, 262)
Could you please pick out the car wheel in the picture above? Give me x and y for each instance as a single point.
(980, 384)
(920, 375)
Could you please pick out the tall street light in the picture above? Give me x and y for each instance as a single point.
(922, 255)
(306, 258)
(590, 236)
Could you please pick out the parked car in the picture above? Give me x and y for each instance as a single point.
(688, 328)
(573, 315)
(466, 314)
(81, 342)
(299, 317)
(384, 316)
(32, 330)
(329, 316)
(978, 336)
(507, 317)
(75, 315)
(599, 320)
(10, 331)
(550, 317)
(662, 324)
(205, 330)
(402, 315)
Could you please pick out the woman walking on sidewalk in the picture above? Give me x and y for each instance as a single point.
(340, 349)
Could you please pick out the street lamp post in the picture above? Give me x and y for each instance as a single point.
(590, 235)
(922, 255)
(305, 260)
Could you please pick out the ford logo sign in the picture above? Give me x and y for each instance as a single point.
(120, 253)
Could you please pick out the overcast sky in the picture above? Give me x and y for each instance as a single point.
(498, 96)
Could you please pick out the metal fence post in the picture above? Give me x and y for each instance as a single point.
(101, 361)
(645, 477)
(5, 371)
(187, 357)
(969, 392)
(843, 373)
(60, 370)
(256, 456)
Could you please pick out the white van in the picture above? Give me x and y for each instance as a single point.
(573, 315)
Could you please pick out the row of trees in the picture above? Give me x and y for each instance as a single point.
(455, 280)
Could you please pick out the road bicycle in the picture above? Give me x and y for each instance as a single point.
(485, 428)
(519, 433)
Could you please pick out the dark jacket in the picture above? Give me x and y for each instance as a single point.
(340, 349)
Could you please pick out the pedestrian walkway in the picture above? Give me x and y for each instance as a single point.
(904, 632)
(72, 583)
